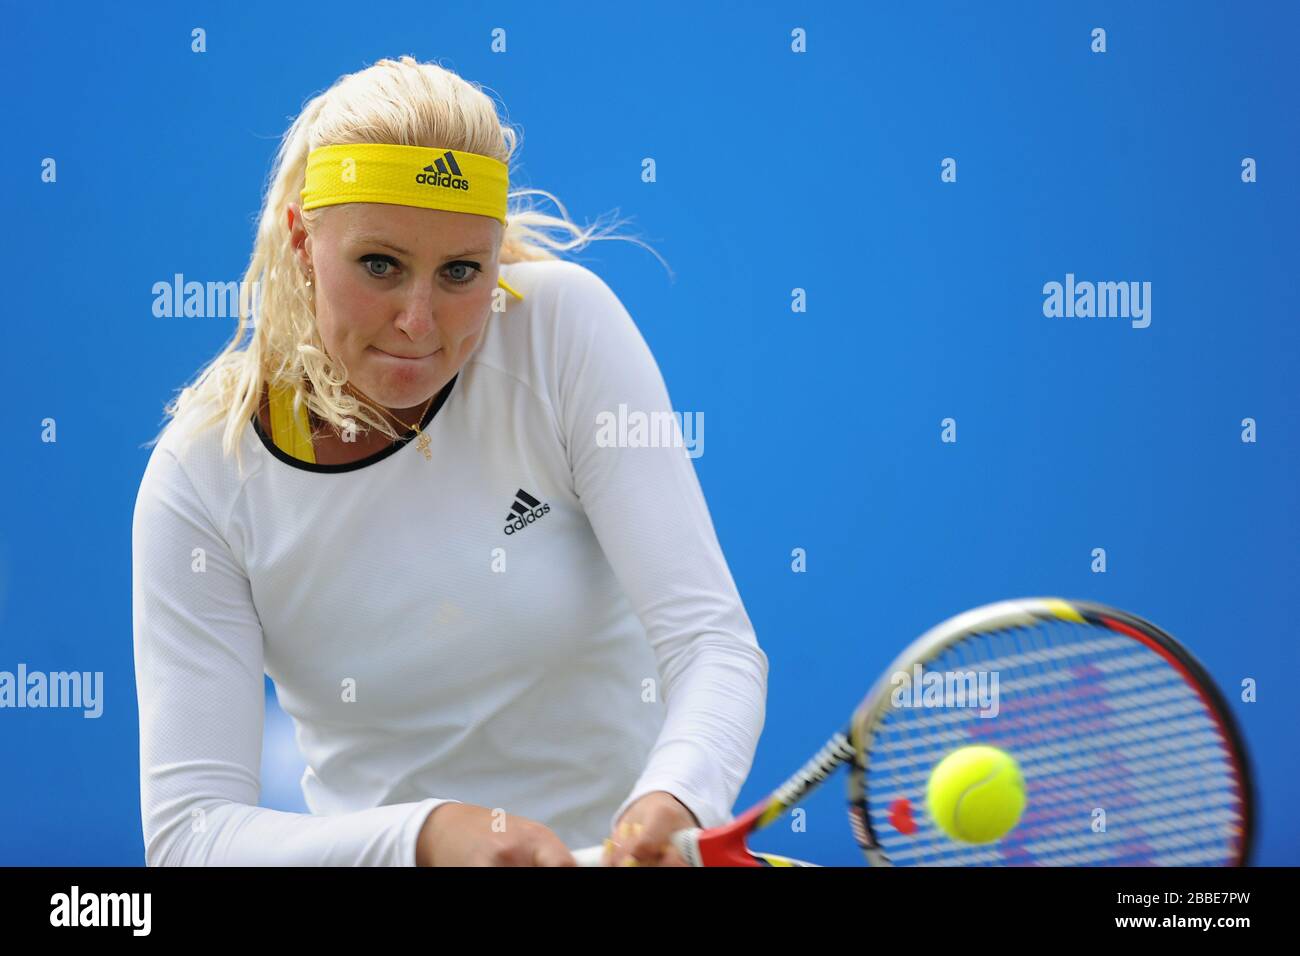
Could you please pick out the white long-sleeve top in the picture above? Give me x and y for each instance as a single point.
(597, 652)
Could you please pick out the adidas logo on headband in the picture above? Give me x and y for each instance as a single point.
(431, 177)
(443, 171)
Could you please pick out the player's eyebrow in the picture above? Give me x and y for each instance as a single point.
(378, 241)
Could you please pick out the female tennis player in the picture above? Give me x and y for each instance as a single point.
(500, 633)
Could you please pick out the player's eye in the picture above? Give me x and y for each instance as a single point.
(458, 273)
(473, 267)
(377, 259)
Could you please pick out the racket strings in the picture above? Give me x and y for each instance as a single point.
(1132, 723)
(1122, 761)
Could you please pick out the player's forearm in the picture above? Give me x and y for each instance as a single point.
(235, 834)
(716, 706)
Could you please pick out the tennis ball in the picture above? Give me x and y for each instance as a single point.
(976, 794)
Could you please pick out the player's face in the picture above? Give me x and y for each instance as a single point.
(402, 294)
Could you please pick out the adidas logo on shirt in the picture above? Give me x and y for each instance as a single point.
(443, 171)
(524, 510)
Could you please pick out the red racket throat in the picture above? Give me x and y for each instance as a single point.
(725, 846)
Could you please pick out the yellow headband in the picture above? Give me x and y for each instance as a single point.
(431, 178)
(427, 177)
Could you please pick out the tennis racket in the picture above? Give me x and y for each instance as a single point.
(1129, 754)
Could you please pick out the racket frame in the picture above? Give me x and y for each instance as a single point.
(725, 845)
(1029, 612)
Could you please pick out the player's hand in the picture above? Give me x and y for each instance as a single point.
(462, 834)
(642, 837)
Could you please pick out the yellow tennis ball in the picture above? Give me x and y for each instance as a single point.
(976, 794)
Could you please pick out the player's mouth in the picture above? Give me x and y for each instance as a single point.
(405, 358)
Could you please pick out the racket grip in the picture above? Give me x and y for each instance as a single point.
(687, 843)
(589, 855)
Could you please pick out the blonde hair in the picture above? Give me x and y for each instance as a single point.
(398, 101)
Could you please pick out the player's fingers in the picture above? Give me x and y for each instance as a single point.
(553, 853)
(611, 852)
(672, 857)
(649, 843)
(626, 847)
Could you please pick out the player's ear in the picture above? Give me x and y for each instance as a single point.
(299, 239)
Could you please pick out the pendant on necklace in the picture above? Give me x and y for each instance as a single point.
(422, 443)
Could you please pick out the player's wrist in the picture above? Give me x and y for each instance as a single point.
(424, 843)
(690, 819)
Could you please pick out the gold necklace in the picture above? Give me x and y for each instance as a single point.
(423, 441)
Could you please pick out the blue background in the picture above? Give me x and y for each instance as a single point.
(775, 171)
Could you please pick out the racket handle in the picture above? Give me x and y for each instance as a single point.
(589, 855)
(687, 843)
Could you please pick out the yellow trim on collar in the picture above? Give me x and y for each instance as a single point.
(290, 431)
(502, 282)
